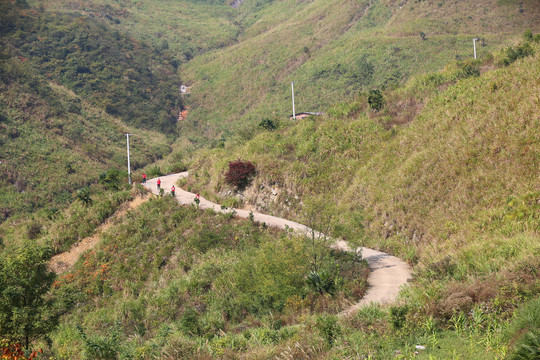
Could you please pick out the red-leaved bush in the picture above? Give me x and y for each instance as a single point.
(239, 173)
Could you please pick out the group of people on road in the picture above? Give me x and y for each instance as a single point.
(173, 189)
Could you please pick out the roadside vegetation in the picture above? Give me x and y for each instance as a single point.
(444, 175)
(179, 282)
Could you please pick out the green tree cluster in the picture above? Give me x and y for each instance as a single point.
(127, 78)
(26, 312)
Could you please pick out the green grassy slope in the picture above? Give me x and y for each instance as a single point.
(334, 49)
(241, 61)
(178, 282)
(466, 162)
(455, 191)
(184, 29)
(53, 143)
(126, 77)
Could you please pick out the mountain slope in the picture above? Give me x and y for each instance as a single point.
(465, 169)
(126, 77)
(53, 143)
(241, 60)
(454, 190)
(335, 49)
(61, 78)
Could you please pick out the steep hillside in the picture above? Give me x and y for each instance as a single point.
(240, 60)
(334, 49)
(178, 282)
(53, 142)
(126, 77)
(448, 174)
(455, 191)
(183, 29)
(69, 90)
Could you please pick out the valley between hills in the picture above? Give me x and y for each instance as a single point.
(413, 142)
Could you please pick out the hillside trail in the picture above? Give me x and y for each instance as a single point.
(64, 261)
(387, 273)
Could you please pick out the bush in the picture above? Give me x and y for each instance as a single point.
(110, 179)
(84, 196)
(321, 282)
(519, 52)
(267, 124)
(527, 321)
(529, 348)
(528, 35)
(398, 316)
(34, 230)
(101, 347)
(375, 100)
(189, 322)
(155, 171)
(467, 70)
(69, 169)
(239, 173)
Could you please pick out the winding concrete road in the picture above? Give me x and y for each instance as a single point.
(387, 273)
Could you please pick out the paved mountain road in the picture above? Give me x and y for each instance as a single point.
(387, 273)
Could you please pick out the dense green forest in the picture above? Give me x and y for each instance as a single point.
(127, 78)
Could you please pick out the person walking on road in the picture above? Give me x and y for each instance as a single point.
(144, 178)
(172, 190)
(158, 184)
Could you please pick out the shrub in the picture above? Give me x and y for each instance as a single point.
(375, 100)
(206, 240)
(467, 70)
(84, 196)
(268, 124)
(519, 52)
(239, 173)
(34, 230)
(527, 321)
(528, 35)
(101, 347)
(321, 282)
(529, 347)
(155, 171)
(189, 322)
(110, 179)
(69, 169)
(398, 316)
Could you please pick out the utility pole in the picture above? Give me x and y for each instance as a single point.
(474, 44)
(129, 166)
(293, 112)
